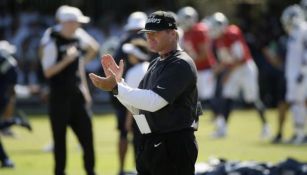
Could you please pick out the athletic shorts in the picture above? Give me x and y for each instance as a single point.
(206, 84)
(245, 79)
(168, 154)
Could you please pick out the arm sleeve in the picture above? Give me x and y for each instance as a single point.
(7, 64)
(46, 37)
(85, 39)
(140, 98)
(49, 55)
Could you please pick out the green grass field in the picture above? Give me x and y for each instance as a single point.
(243, 143)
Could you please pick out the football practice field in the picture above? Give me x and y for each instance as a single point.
(242, 143)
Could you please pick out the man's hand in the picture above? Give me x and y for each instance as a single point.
(111, 68)
(104, 83)
(72, 53)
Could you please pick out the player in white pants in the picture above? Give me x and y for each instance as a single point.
(296, 68)
(241, 73)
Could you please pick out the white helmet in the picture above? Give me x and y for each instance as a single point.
(136, 20)
(304, 6)
(187, 17)
(291, 17)
(217, 23)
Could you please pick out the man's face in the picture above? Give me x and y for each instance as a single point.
(71, 26)
(160, 40)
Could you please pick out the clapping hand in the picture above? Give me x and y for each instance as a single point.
(112, 71)
(110, 67)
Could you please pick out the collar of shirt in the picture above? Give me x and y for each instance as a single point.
(164, 56)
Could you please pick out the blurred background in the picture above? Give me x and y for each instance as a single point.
(22, 23)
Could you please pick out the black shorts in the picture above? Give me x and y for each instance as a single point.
(121, 115)
(9, 78)
(7, 82)
(281, 90)
(173, 153)
(3, 103)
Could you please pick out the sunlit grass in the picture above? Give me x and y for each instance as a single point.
(243, 143)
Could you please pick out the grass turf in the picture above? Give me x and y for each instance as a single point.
(243, 143)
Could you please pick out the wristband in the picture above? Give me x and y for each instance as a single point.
(115, 90)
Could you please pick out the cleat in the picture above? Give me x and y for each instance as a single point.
(221, 128)
(296, 140)
(277, 139)
(265, 132)
(48, 148)
(7, 163)
(7, 132)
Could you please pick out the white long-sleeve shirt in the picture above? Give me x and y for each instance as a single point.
(135, 99)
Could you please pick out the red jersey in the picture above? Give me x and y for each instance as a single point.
(227, 41)
(193, 40)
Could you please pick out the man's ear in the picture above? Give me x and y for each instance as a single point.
(174, 32)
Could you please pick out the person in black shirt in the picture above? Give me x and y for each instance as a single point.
(64, 52)
(8, 80)
(165, 103)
